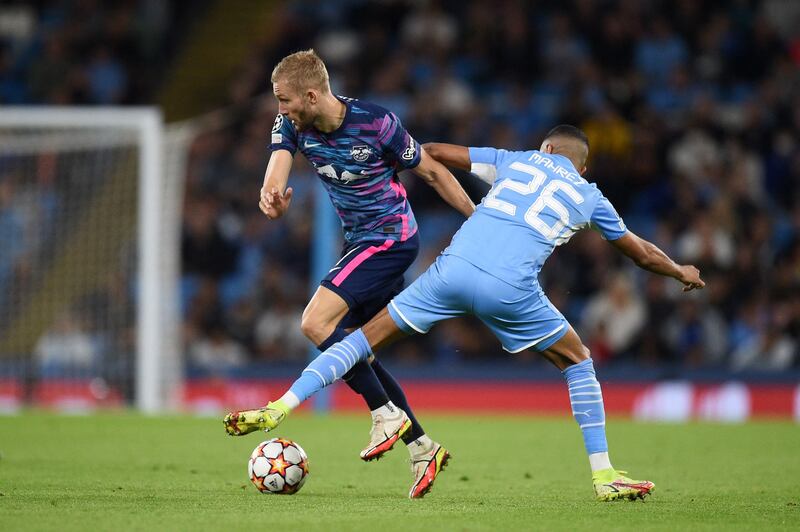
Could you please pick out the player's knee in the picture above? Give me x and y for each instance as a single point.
(580, 354)
(314, 329)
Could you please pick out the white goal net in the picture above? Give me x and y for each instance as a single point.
(89, 228)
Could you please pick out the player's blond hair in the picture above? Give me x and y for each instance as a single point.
(302, 70)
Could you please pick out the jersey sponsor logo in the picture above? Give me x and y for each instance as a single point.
(347, 177)
(276, 126)
(360, 153)
(330, 172)
(308, 145)
(411, 151)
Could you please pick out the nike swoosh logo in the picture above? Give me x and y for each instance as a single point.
(334, 269)
(311, 144)
(345, 256)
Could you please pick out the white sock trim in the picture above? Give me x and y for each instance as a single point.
(420, 446)
(290, 400)
(599, 461)
(387, 410)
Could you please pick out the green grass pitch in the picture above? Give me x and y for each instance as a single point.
(127, 472)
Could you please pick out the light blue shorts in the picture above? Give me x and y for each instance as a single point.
(453, 287)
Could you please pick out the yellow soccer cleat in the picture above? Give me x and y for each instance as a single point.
(247, 421)
(613, 485)
(426, 469)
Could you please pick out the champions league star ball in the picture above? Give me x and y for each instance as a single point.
(278, 466)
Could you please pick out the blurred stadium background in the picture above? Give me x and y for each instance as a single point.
(693, 112)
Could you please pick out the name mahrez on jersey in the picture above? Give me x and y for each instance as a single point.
(559, 170)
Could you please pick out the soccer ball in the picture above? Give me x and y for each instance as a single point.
(278, 466)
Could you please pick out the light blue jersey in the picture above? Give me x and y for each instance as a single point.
(537, 202)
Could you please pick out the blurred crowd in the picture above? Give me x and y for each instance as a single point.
(692, 109)
(59, 53)
(62, 52)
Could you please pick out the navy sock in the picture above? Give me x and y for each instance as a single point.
(361, 379)
(398, 397)
(337, 336)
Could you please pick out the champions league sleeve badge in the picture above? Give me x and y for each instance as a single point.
(276, 126)
(277, 138)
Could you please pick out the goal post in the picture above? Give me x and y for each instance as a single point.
(96, 151)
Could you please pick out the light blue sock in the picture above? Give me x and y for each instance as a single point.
(587, 405)
(331, 365)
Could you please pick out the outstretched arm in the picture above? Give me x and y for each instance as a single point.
(456, 156)
(275, 197)
(451, 155)
(440, 178)
(648, 256)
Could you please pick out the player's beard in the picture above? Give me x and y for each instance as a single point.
(303, 121)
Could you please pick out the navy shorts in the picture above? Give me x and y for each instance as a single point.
(369, 275)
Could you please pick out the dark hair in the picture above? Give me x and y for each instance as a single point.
(566, 130)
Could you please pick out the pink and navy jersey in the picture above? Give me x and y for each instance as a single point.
(358, 164)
